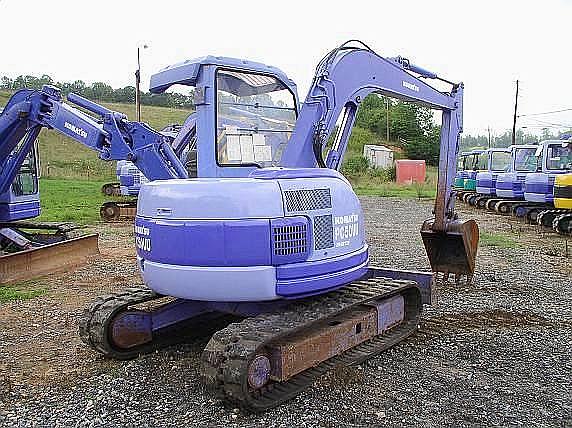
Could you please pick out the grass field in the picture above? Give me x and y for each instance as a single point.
(500, 240)
(71, 200)
(376, 186)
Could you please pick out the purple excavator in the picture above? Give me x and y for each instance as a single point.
(265, 251)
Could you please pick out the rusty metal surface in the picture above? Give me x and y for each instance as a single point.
(47, 259)
(321, 342)
(131, 329)
(453, 250)
(118, 211)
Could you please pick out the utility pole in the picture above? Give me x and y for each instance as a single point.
(514, 118)
(137, 84)
(387, 119)
(489, 130)
(137, 93)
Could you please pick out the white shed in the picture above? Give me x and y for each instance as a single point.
(378, 156)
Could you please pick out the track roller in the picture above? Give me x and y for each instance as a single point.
(116, 211)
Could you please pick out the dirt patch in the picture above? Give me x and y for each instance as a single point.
(40, 343)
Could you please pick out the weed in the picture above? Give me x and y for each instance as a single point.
(11, 293)
(496, 240)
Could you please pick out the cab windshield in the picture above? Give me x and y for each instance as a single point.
(559, 156)
(525, 160)
(256, 114)
(500, 161)
(471, 162)
(461, 162)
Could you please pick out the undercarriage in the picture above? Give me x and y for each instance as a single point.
(262, 354)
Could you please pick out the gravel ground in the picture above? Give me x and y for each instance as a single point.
(494, 353)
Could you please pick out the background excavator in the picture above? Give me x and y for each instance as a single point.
(129, 181)
(466, 161)
(505, 186)
(490, 163)
(548, 191)
(276, 236)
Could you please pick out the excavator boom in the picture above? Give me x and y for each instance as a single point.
(344, 77)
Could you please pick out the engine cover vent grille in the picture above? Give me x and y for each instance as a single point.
(289, 240)
(308, 199)
(323, 232)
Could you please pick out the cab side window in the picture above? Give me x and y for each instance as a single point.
(26, 182)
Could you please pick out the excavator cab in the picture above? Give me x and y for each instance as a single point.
(22, 199)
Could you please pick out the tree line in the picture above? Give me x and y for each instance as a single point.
(99, 91)
(504, 140)
(411, 126)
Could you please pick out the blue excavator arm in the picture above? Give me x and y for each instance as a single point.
(343, 78)
(107, 132)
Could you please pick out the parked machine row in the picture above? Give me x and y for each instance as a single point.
(533, 182)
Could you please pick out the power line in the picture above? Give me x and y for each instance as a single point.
(550, 123)
(545, 112)
(539, 126)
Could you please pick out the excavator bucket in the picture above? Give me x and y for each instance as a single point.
(453, 250)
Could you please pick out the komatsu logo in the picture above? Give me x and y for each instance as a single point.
(75, 129)
(411, 86)
(345, 228)
(142, 242)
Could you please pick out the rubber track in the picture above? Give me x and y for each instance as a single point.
(562, 220)
(119, 206)
(226, 357)
(96, 317)
(546, 217)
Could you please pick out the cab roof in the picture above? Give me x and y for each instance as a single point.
(187, 72)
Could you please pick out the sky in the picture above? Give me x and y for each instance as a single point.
(488, 45)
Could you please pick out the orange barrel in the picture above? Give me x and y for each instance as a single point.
(407, 171)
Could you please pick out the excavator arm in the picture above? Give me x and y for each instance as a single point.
(343, 79)
(110, 134)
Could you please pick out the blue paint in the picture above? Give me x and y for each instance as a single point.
(204, 243)
(13, 211)
(286, 173)
(322, 267)
(309, 286)
(188, 72)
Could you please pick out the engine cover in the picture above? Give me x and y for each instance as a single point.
(486, 183)
(510, 185)
(539, 187)
(282, 233)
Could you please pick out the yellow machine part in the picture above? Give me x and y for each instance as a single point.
(563, 191)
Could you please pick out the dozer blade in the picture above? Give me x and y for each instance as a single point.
(453, 250)
(46, 259)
